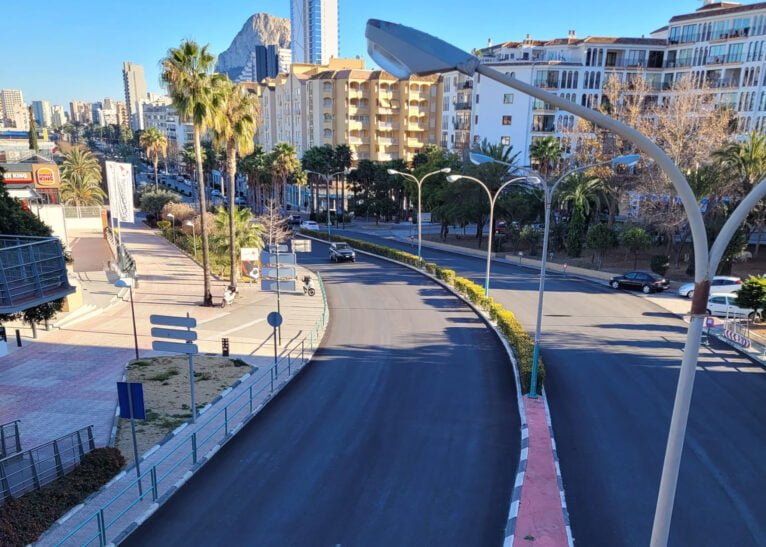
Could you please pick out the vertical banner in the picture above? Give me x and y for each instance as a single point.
(249, 258)
(119, 181)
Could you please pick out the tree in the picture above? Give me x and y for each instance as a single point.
(155, 144)
(319, 159)
(343, 157)
(81, 179)
(546, 153)
(752, 294)
(580, 193)
(531, 238)
(154, 201)
(249, 233)
(234, 129)
(186, 71)
(274, 226)
(282, 164)
(600, 238)
(32, 132)
(635, 239)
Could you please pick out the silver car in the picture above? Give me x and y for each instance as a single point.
(719, 284)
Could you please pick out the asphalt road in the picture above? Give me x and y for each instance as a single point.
(612, 363)
(404, 431)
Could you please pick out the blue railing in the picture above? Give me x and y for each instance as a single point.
(212, 430)
(32, 272)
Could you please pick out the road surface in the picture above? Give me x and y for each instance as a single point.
(404, 431)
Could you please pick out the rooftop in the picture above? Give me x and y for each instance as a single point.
(717, 9)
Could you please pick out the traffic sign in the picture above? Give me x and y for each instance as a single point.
(185, 335)
(270, 259)
(175, 347)
(709, 322)
(274, 319)
(172, 321)
(137, 394)
(284, 272)
(301, 246)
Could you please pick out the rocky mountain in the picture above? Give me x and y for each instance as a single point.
(259, 30)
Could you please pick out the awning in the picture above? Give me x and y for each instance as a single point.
(24, 193)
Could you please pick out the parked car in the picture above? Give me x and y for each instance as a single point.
(342, 251)
(309, 225)
(719, 284)
(644, 281)
(724, 305)
(294, 220)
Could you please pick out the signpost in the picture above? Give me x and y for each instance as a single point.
(131, 399)
(185, 346)
(275, 320)
(301, 245)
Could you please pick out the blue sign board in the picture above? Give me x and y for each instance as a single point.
(274, 319)
(137, 392)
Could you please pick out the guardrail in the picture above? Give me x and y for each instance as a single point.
(211, 431)
(82, 212)
(10, 439)
(32, 272)
(38, 466)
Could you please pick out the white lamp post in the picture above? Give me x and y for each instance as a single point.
(194, 236)
(403, 51)
(492, 201)
(172, 218)
(419, 183)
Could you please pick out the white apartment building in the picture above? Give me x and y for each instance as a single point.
(135, 93)
(13, 111)
(721, 44)
(58, 116)
(314, 30)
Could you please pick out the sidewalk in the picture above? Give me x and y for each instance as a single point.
(66, 379)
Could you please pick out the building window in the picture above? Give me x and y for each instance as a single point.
(508, 98)
(506, 120)
(477, 98)
(476, 119)
(505, 140)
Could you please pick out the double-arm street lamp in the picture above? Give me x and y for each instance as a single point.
(403, 51)
(549, 190)
(492, 200)
(327, 178)
(419, 183)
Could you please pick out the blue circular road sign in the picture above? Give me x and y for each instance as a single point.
(274, 319)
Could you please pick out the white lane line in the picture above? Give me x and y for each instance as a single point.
(209, 319)
(240, 327)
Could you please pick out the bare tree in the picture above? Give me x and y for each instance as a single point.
(275, 228)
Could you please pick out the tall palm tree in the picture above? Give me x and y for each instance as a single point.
(155, 144)
(195, 92)
(546, 153)
(81, 179)
(283, 163)
(234, 129)
(581, 193)
(249, 233)
(499, 152)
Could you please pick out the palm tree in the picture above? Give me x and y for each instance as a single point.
(234, 129)
(499, 152)
(81, 179)
(283, 162)
(195, 92)
(546, 153)
(343, 157)
(580, 192)
(155, 144)
(249, 234)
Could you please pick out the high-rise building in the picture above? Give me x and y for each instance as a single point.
(42, 113)
(122, 113)
(135, 93)
(80, 112)
(58, 116)
(314, 30)
(13, 111)
(265, 62)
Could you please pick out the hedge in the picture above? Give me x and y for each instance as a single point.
(24, 519)
(506, 321)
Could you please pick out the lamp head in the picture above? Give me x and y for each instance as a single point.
(446, 170)
(188, 223)
(392, 171)
(170, 215)
(453, 178)
(403, 51)
(627, 161)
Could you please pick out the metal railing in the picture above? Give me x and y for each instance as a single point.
(32, 272)
(82, 212)
(34, 468)
(10, 439)
(214, 427)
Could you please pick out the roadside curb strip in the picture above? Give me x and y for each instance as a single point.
(524, 429)
(559, 479)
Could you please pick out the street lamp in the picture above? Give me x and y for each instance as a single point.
(548, 192)
(403, 51)
(172, 218)
(194, 236)
(129, 282)
(419, 184)
(492, 201)
(327, 177)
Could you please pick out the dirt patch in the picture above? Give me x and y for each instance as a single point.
(166, 394)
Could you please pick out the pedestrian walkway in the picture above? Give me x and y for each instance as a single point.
(66, 379)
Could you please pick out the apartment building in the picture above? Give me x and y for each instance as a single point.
(13, 110)
(41, 110)
(379, 117)
(720, 45)
(314, 30)
(135, 93)
(457, 103)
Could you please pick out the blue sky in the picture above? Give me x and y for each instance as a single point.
(74, 50)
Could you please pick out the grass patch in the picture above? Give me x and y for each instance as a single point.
(164, 376)
(239, 362)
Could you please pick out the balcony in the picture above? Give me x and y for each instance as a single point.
(411, 126)
(723, 59)
(466, 85)
(32, 272)
(387, 140)
(732, 34)
(463, 106)
(678, 63)
(461, 125)
(547, 84)
(414, 143)
(723, 83)
(631, 63)
(387, 125)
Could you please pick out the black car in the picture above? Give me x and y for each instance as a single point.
(342, 251)
(644, 281)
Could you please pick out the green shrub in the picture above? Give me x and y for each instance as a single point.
(660, 264)
(23, 519)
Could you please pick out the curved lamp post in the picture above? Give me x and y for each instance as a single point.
(403, 51)
(194, 236)
(548, 190)
(419, 183)
(492, 201)
(172, 218)
(327, 178)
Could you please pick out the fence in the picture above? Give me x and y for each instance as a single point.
(32, 272)
(82, 212)
(10, 439)
(36, 467)
(213, 428)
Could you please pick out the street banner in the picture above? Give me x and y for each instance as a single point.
(301, 245)
(249, 262)
(119, 181)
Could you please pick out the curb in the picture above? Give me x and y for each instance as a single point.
(513, 512)
(559, 479)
